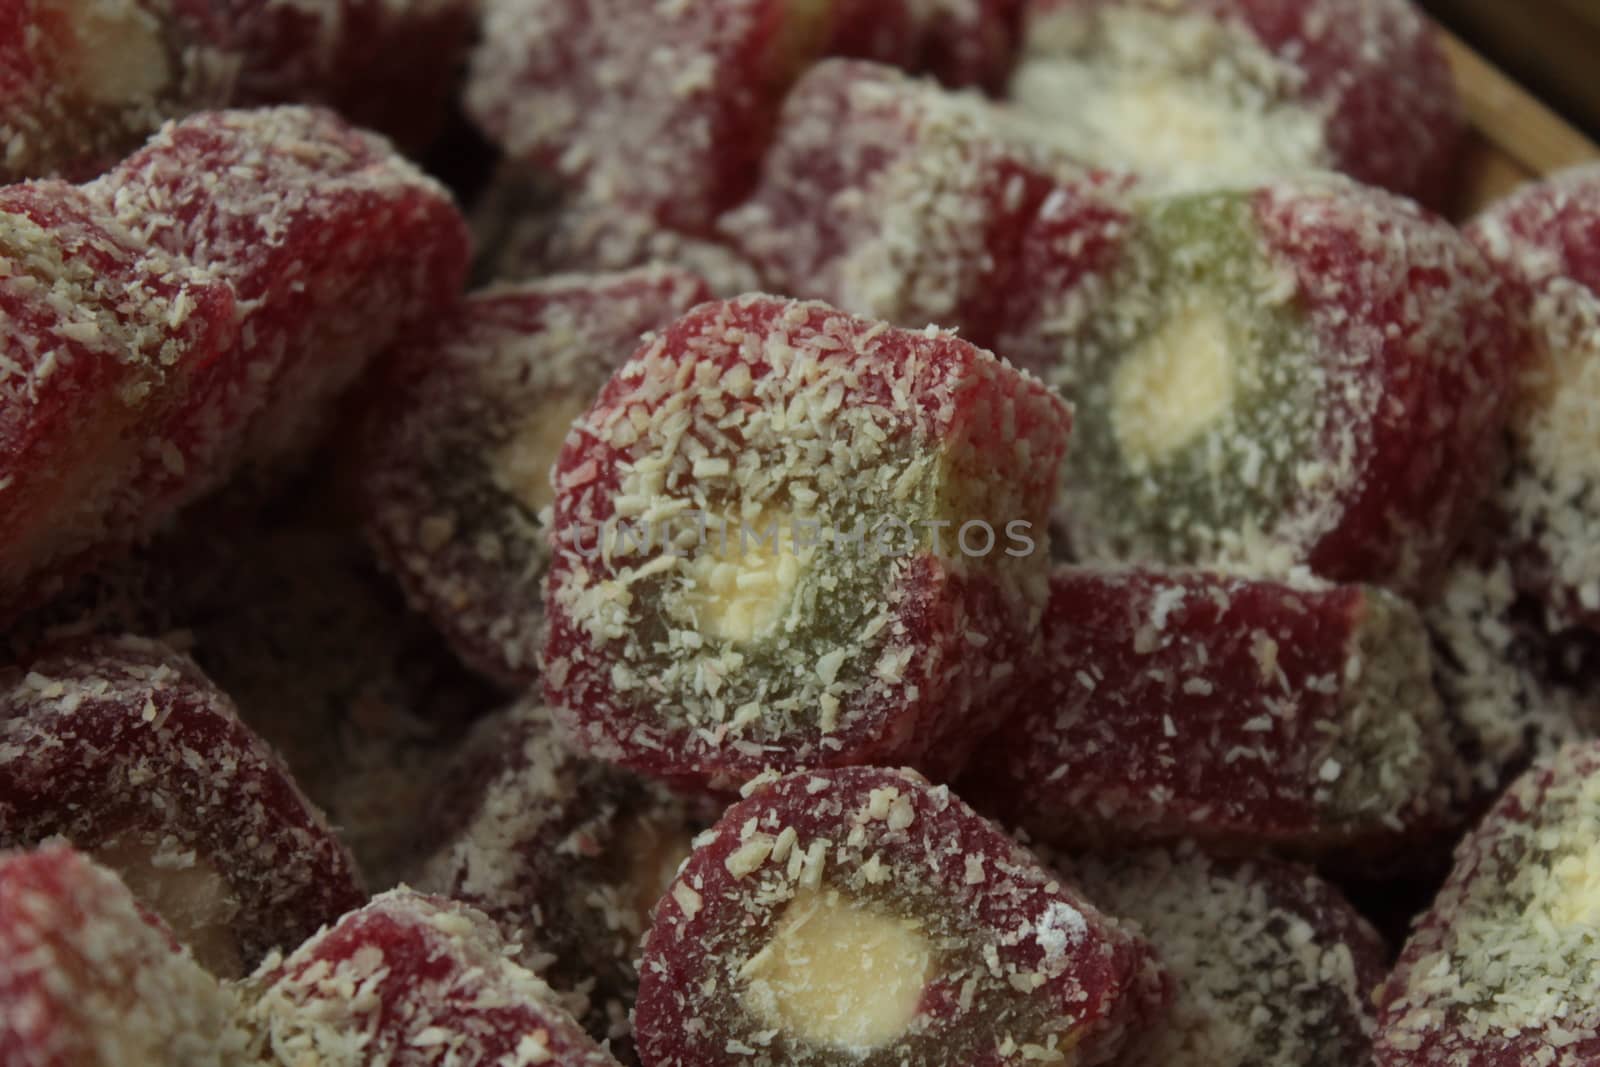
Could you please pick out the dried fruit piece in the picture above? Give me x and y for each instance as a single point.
(457, 459)
(960, 42)
(568, 855)
(896, 200)
(1269, 963)
(1547, 238)
(128, 752)
(1503, 969)
(412, 981)
(83, 82)
(661, 108)
(1200, 93)
(334, 245)
(789, 537)
(1307, 373)
(103, 338)
(865, 916)
(88, 979)
(387, 65)
(1245, 712)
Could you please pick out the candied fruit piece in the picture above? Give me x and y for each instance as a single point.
(960, 42)
(864, 916)
(334, 245)
(103, 338)
(1547, 239)
(83, 82)
(662, 107)
(126, 750)
(1270, 965)
(1245, 712)
(1200, 93)
(411, 981)
(387, 65)
(89, 979)
(1304, 373)
(456, 464)
(568, 855)
(894, 199)
(789, 537)
(1504, 969)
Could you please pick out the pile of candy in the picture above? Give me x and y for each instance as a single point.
(899, 533)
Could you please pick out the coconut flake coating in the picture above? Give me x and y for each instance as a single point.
(864, 916)
(1247, 713)
(1269, 963)
(1504, 969)
(1201, 93)
(770, 546)
(103, 338)
(661, 106)
(960, 42)
(333, 244)
(124, 749)
(411, 981)
(385, 65)
(568, 855)
(88, 978)
(1306, 373)
(455, 469)
(83, 82)
(895, 199)
(1546, 237)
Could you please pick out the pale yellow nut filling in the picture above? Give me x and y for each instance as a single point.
(1177, 385)
(120, 55)
(743, 578)
(655, 852)
(839, 973)
(187, 892)
(522, 465)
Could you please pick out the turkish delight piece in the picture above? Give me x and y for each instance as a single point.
(568, 855)
(414, 981)
(456, 459)
(1305, 373)
(1547, 239)
(789, 537)
(1201, 93)
(661, 108)
(1269, 963)
(125, 750)
(1502, 969)
(864, 915)
(89, 979)
(1248, 713)
(960, 42)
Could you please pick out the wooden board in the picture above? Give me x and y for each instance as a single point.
(1514, 137)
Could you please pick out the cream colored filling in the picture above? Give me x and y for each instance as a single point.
(1177, 385)
(522, 465)
(119, 55)
(839, 973)
(745, 574)
(655, 852)
(187, 892)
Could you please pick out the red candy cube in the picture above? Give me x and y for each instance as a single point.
(1249, 713)
(88, 979)
(128, 752)
(83, 82)
(1504, 970)
(456, 466)
(662, 107)
(1205, 93)
(864, 912)
(789, 537)
(1269, 963)
(960, 42)
(1547, 239)
(412, 981)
